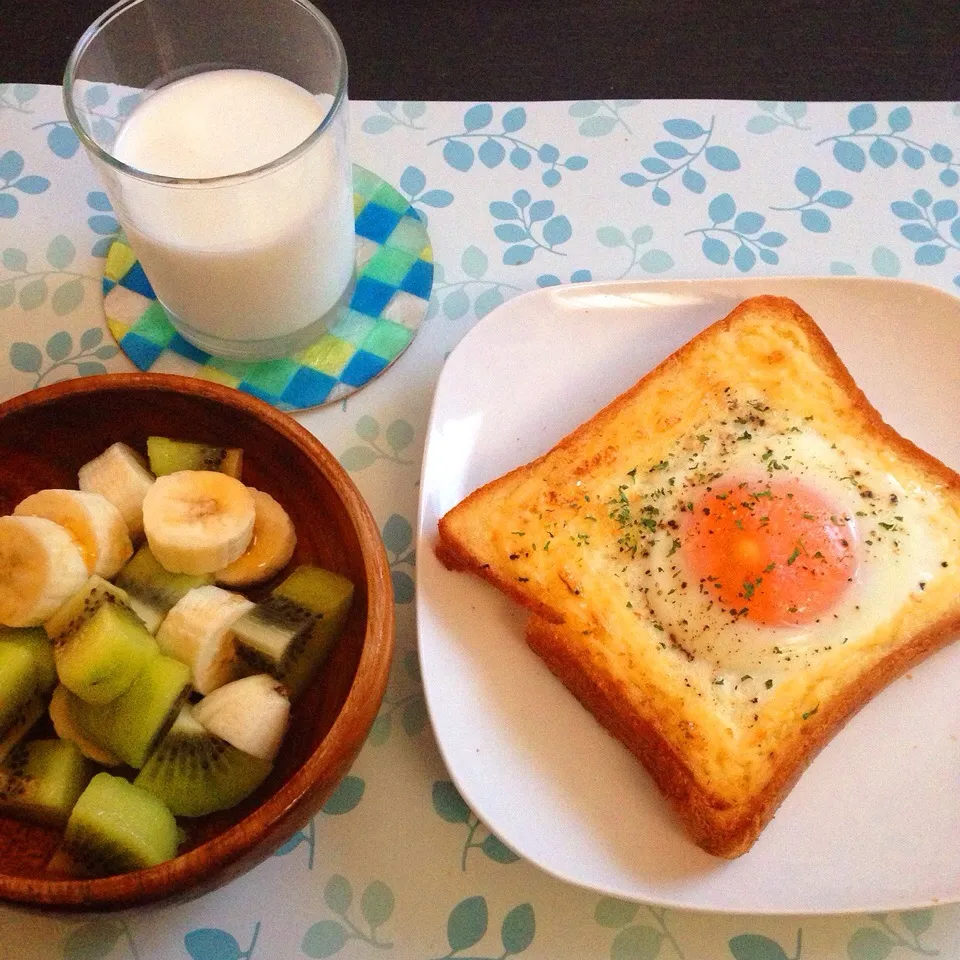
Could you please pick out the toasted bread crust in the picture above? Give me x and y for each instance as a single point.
(458, 553)
(724, 822)
(719, 828)
(455, 556)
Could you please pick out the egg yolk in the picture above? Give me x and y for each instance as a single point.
(776, 553)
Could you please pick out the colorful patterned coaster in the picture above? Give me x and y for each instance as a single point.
(394, 279)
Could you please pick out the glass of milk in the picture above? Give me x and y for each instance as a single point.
(219, 129)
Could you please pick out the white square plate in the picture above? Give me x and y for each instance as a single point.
(874, 824)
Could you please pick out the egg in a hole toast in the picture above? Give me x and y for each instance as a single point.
(726, 562)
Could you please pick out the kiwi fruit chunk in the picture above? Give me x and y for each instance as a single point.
(17, 683)
(322, 592)
(40, 781)
(171, 456)
(99, 644)
(23, 719)
(195, 773)
(274, 637)
(152, 590)
(131, 725)
(35, 643)
(27, 676)
(328, 596)
(116, 827)
(65, 709)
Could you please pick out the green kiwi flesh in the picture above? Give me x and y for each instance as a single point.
(26, 716)
(131, 725)
(275, 636)
(65, 709)
(195, 772)
(26, 672)
(41, 780)
(171, 456)
(36, 643)
(116, 827)
(328, 596)
(99, 644)
(151, 590)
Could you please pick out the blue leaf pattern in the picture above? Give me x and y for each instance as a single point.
(11, 182)
(394, 114)
(598, 118)
(460, 150)
(743, 236)
(683, 155)
(775, 114)
(555, 231)
(809, 183)
(933, 225)
(884, 147)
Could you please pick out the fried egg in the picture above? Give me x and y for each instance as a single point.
(757, 543)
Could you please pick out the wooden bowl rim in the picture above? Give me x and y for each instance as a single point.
(363, 699)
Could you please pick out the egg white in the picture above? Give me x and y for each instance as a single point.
(895, 538)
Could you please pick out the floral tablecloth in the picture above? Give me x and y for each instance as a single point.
(517, 196)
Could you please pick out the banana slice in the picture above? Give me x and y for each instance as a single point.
(67, 727)
(41, 567)
(271, 548)
(93, 521)
(120, 474)
(197, 632)
(198, 521)
(251, 714)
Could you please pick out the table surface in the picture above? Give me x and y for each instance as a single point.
(396, 865)
(565, 49)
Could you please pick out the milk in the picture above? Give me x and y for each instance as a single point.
(256, 257)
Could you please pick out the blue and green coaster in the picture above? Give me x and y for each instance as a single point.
(393, 282)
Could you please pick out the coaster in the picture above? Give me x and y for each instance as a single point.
(393, 283)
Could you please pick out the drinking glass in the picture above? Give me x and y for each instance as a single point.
(250, 254)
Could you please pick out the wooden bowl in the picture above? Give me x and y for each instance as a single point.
(45, 436)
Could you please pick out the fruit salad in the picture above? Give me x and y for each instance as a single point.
(120, 617)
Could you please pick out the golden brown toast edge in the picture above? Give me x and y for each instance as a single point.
(719, 827)
(457, 554)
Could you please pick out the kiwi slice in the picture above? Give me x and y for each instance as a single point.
(172, 456)
(65, 710)
(26, 677)
(35, 643)
(152, 590)
(274, 636)
(116, 827)
(133, 724)
(326, 595)
(195, 772)
(22, 720)
(40, 781)
(323, 592)
(17, 683)
(99, 644)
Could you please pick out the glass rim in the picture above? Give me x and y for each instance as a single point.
(73, 117)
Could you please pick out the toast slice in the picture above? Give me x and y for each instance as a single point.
(750, 445)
